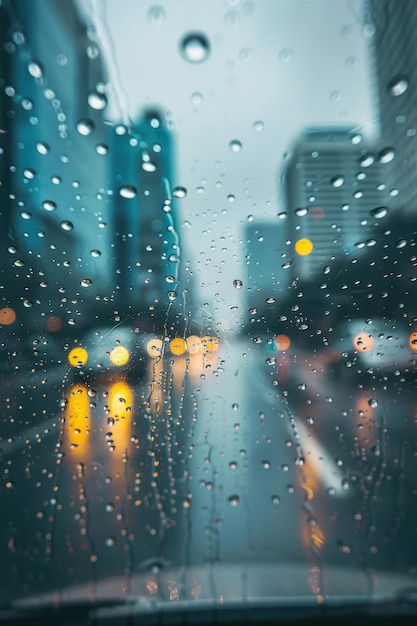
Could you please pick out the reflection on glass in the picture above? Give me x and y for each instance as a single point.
(77, 418)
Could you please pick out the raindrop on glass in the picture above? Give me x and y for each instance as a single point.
(195, 47)
(398, 85)
(49, 205)
(42, 147)
(85, 127)
(128, 191)
(258, 126)
(366, 160)
(35, 69)
(337, 181)
(156, 15)
(179, 192)
(237, 284)
(386, 155)
(285, 55)
(235, 145)
(66, 225)
(234, 500)
(97, 100)
(379, 212)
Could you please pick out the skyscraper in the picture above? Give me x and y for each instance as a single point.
(395, 59)
(335, 193)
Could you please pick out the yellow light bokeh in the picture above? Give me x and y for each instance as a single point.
(282, 342)
(209, 344)
(119, 356)
(154, 348)
(412, 342)
(303, 247)
(120, 408)
(177, 346)
(78, 357)
(363, 342)
(78, 419)
(193, 344)
(7, 316)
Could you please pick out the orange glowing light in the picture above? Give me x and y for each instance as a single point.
(54, 323)
(412, 342)
(177, 346)
(78, 357)
(7, 316)
(303, 247)
(119, 356)
(282, 342)
(193, 344)
(363, 342)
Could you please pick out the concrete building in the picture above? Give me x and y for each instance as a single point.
(55, 214)
(395, 61)
(335, 195)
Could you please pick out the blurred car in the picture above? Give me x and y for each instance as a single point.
(376, 346)
(107, 351)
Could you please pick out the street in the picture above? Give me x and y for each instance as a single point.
(220, 460)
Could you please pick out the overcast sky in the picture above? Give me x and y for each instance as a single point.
(287, 63)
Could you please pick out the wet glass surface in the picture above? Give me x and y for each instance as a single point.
(208, 311)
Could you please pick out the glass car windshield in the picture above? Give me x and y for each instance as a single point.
(208, 309)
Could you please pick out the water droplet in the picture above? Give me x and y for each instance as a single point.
(102, 148)
(49, 205)
(335, 96)
(179, 192)
(66, 225)
(398, 85)
(285, 55)
(86, 282)
(337, 181)
(386, 155)
(266, 464)
(373, 403)
(110, 542)
(234, 500)
(35, 69)
(97, 100)
(366, 160)
(258, 126)
(172, 295)
(275, 499)
(27, 104)
(156, 15)
(237, 284)
(235, 406)
(85, 127)
(29, 173)
(235, 145)
(42, 147)
(195, 47)
(26, 215)
(401, 243)
(301, 212)
(379, 212)
(95, 253)
(356, 138)
(245, 55)
(148, 166)
(128, 191)
(345, 484)
(232, 19)
(196, 98)
(233, 465)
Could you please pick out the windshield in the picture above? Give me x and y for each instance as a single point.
(208, 309)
